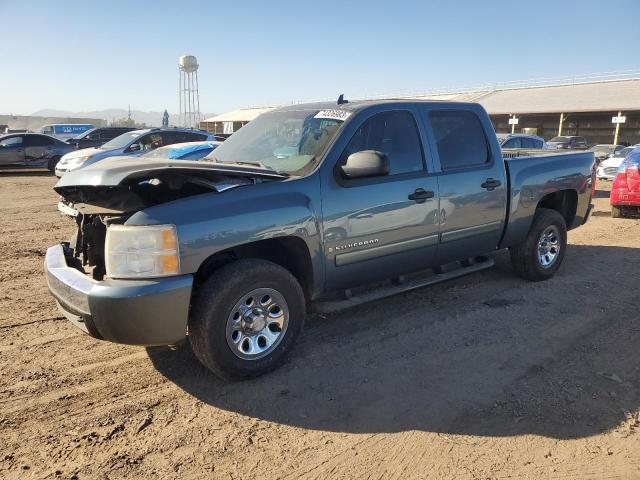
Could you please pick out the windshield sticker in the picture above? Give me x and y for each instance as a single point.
(333, 114)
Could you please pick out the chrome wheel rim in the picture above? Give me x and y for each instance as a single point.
(257, 323)
(549, 245)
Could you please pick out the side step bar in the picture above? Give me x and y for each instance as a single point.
(401, 286)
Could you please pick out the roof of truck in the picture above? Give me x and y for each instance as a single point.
(359, 104)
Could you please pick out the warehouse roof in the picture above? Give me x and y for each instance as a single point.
(582, 96)
(621, 95)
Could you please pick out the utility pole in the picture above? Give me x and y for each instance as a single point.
(618, 122)
(560, 126)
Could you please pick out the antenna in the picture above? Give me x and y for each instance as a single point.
(341, 99)
(188, 95)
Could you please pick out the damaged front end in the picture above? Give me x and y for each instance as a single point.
(109, 193)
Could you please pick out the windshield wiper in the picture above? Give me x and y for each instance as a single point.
(253, 164)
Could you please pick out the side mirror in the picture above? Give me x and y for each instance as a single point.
(134, 147)
(368, 163)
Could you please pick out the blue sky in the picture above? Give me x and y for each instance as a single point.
(92, 55)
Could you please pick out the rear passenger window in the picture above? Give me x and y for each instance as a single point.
(460, 139)
(512, 143)
(527, 143)
(394, 133)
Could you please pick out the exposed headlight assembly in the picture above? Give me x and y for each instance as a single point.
(141, 251)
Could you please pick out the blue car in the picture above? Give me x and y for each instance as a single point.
(183, 151)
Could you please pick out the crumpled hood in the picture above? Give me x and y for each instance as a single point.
(128, 184)
(113, 171)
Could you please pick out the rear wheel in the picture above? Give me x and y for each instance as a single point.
(51, 165)
(540, 255)
(246, 318)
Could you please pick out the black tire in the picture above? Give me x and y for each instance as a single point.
(213, 306)
(51, 165)
(617, 212)
(524, 257)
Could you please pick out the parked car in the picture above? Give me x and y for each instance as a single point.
(229, 251)
(625, 191)
(564, 142)
(520, 140)
(31, 150)
(608, 168)
(64, 131)
(97, 136)
(131, 143)
(183, 151)
(602, 151)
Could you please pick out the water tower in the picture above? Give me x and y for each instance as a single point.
(188, 91)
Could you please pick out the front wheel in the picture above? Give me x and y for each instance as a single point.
(246, 318)
(540, 255)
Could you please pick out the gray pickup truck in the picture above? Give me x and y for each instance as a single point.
(317, 206)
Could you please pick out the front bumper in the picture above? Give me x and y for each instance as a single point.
(137, 312)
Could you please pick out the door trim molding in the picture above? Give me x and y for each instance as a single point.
(382, 250)
(460, 233)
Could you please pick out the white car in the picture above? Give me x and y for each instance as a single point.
(608, 168)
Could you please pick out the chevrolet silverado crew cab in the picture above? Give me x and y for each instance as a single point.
(318, 206)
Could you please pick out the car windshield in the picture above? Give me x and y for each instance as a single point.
(601, 148)
(121, 141)
(289, 142)
(84, 134)
(560, 139)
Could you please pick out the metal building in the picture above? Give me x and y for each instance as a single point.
(227, 123)
(589, 106)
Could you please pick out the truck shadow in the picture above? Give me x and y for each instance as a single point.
(488, 354)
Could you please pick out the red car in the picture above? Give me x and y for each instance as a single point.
(625, 192)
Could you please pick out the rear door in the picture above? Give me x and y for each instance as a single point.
(12, 150)
(379, 227)
(471, 181)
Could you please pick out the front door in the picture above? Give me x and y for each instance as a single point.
(11, 151)
(38, 149)
(379, 227)
(472, 184)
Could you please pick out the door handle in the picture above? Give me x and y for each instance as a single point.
(420, 195)
(491, 184)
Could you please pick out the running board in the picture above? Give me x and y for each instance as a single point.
(399, 285)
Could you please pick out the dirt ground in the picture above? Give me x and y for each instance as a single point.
(487, 376)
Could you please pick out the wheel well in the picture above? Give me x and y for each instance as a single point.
(288, 252)
(564, 202)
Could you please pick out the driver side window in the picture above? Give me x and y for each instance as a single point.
(393, 133)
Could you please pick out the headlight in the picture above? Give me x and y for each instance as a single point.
(141, 251)
(76, 162)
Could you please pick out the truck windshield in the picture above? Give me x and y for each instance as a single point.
(288, 142)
